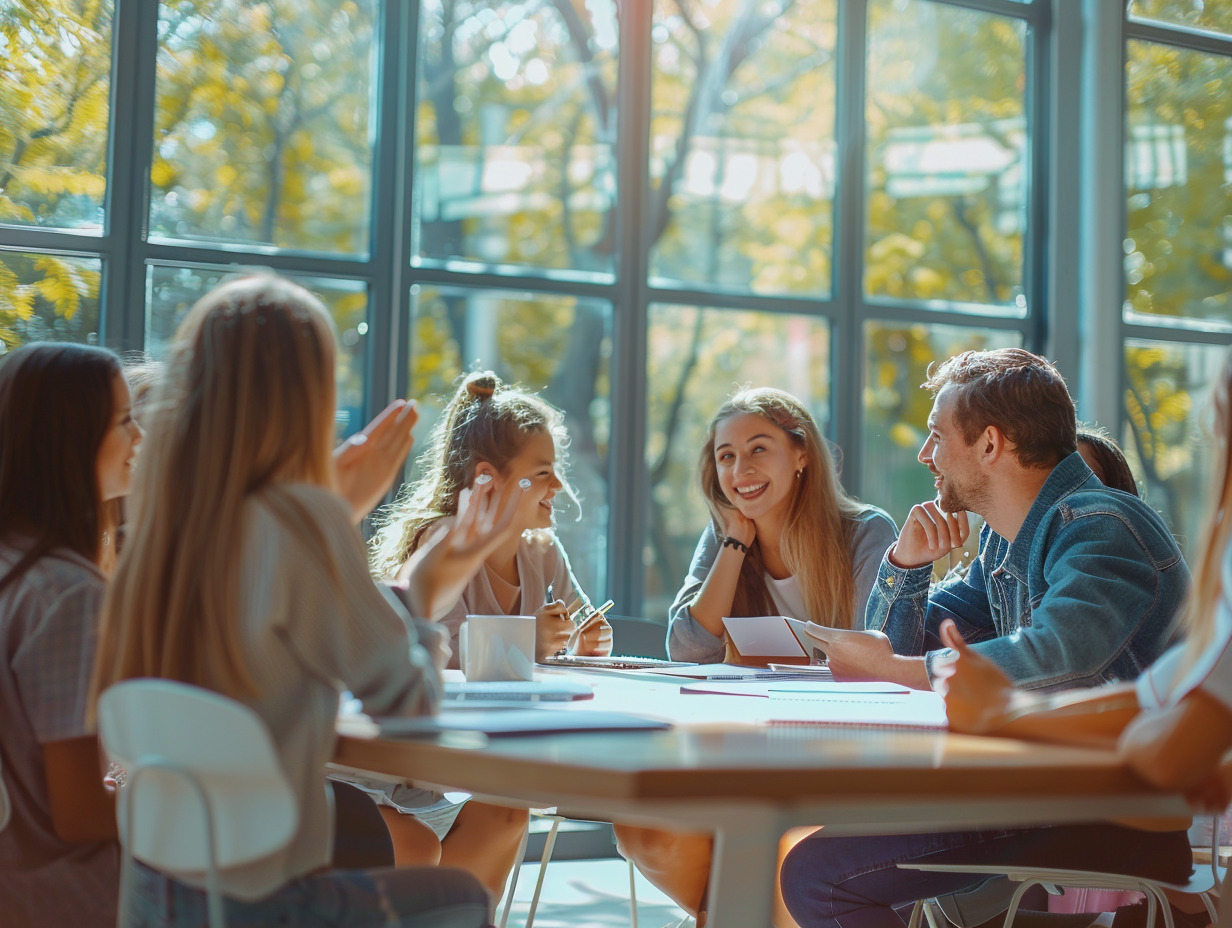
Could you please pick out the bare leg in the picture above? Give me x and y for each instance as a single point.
(415, 844)
(485, 840)
(677, 863)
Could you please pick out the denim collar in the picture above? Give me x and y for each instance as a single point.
(1065, 478)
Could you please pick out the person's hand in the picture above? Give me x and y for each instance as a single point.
(444, 563)
(1180, 747)
(928, 535)
(977, 694)
(552, 629)
(366, 464)
(738, 526)
(593, 640)
(856, 655)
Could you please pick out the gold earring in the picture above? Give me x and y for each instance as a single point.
(800, 473)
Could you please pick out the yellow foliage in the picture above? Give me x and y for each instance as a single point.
(905, 436)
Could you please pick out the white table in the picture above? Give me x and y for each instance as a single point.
(749, 783)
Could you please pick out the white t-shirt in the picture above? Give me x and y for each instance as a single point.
(1169, 680)
(787, 598)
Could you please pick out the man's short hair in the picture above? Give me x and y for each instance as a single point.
(1020, 393)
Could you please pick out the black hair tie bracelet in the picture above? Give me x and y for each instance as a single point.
(735, 543)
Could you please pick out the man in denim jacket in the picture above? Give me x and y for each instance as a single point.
(1074, 585)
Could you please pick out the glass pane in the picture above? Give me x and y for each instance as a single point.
(55, 86)
(514, 157)
(1213, 15)
(896, 408)
(947, 155)
(48, 298)
(557, 346)
(263, 133)
(171, 292)
(1163, 433)
(742, 146)
(1178, 177)
(696, 357)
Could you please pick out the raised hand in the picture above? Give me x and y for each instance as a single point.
(929, 534)
(444, 563)
(366, 464)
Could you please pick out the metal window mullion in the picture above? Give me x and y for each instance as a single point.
(847, 334)
(1036, 267)
(1102, 210)
(1062, 243)
(400, 329)
(628, 479)
(190, 254)
(130, 148)
(386, 229)
(1179, 37)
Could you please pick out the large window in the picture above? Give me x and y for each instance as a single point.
(632, 208)
(1178, 244)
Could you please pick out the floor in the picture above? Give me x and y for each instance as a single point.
(589, 894)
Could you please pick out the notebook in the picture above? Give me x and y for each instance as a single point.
(498, 723)
(916, 709)
(613, 662)
(557, 689)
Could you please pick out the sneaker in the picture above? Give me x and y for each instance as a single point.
(1134, 916)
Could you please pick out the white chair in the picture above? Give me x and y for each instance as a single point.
(1204, 881)
(205, 789)
(549, 845)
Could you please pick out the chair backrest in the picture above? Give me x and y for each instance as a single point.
(181, 745)
(637, 637)
(5, 808)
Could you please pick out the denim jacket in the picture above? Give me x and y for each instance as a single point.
(1086, 593)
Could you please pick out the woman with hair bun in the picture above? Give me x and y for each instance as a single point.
(496, 437)
(493, 442)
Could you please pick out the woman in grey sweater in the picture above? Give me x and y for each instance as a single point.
(784, 539)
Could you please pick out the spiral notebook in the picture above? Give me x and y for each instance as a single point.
(916, 709)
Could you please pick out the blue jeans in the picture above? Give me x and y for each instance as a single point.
(413, 897)
(854, 882)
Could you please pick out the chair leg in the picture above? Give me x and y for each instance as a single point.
(917, 912)
(1016, 899)
(548, 847)
(632, 895)
(930, 913)
(513, 877)
(1164, 907)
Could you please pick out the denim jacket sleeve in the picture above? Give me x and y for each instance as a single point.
(1108, 591)
(687, 640)
(910, 611)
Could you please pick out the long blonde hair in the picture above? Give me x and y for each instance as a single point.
(247, 403)
(486, 421)
(1198, 616)
(816, 542)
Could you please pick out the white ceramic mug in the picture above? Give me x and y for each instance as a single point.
(497, 647)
